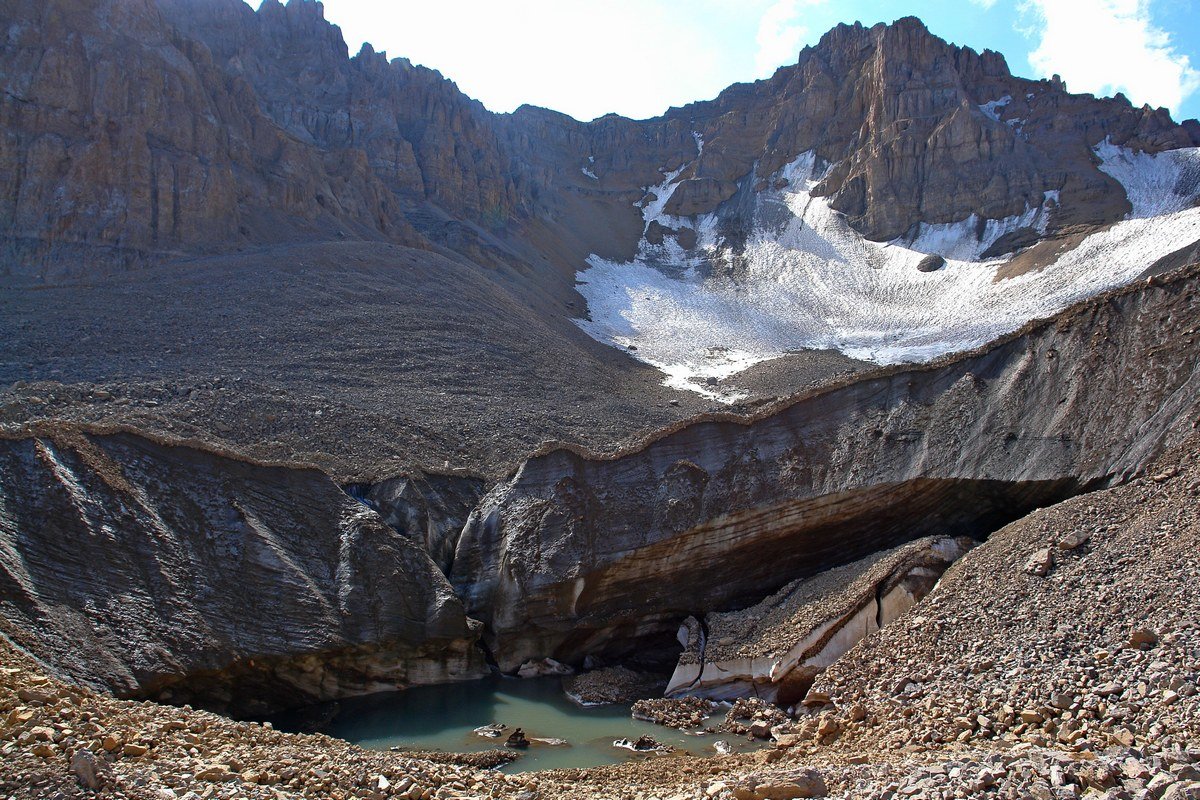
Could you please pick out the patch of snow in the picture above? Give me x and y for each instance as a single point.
(812, 282)
(587, 171)
(653, 210)
(1164, 183)
(969, 239)
(992, 107)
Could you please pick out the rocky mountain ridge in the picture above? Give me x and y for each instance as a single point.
(250, 128)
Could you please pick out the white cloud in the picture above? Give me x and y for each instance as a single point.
(781, 32)
(633, 57)
(984, 4)
(1109, 46)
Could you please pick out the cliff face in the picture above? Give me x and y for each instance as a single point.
(435, 149)
(720, 512)
(171, 572)
(124, 143)
(135, 130)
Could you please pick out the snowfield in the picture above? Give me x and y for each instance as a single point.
(809, 281)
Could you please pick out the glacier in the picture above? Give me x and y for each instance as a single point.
(805, 280)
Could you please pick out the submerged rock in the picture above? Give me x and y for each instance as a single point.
(493, 731)
(542, 667)
(644, 744)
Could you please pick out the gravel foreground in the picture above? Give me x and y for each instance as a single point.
(1061, 659)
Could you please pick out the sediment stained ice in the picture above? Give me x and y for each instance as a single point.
(807, 280)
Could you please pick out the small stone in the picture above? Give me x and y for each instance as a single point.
(1040, 563)
(215, 773)
(36, 695)
(760, 729)
(84, 767)
(42, 733)
(1143, 639)
(828, 727)
(1123, 737)
(1074, 540)
(19, 716)
(1158, 784)
(803, 783)
(135, 750)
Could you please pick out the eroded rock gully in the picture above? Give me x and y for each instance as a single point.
(601, 555)
(427, 508)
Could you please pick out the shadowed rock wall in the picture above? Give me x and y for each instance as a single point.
(179, 573)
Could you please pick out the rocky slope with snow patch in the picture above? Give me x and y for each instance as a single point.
(777, 269)
(723, 511)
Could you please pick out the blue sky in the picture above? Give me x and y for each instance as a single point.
(638, 57)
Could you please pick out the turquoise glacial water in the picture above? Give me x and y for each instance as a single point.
(443, 718)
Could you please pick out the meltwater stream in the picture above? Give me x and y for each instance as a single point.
(444, 718)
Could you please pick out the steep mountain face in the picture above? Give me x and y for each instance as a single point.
(136, 129)
(160, 569)
(125, 143)
(434, 148)
(723, 511)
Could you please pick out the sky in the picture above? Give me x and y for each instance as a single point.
(639, 57)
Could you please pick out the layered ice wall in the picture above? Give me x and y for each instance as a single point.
(804, 279)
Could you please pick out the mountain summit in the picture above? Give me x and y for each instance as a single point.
(140, 130)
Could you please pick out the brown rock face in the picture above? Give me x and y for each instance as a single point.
(124, 141)
(136, 130)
